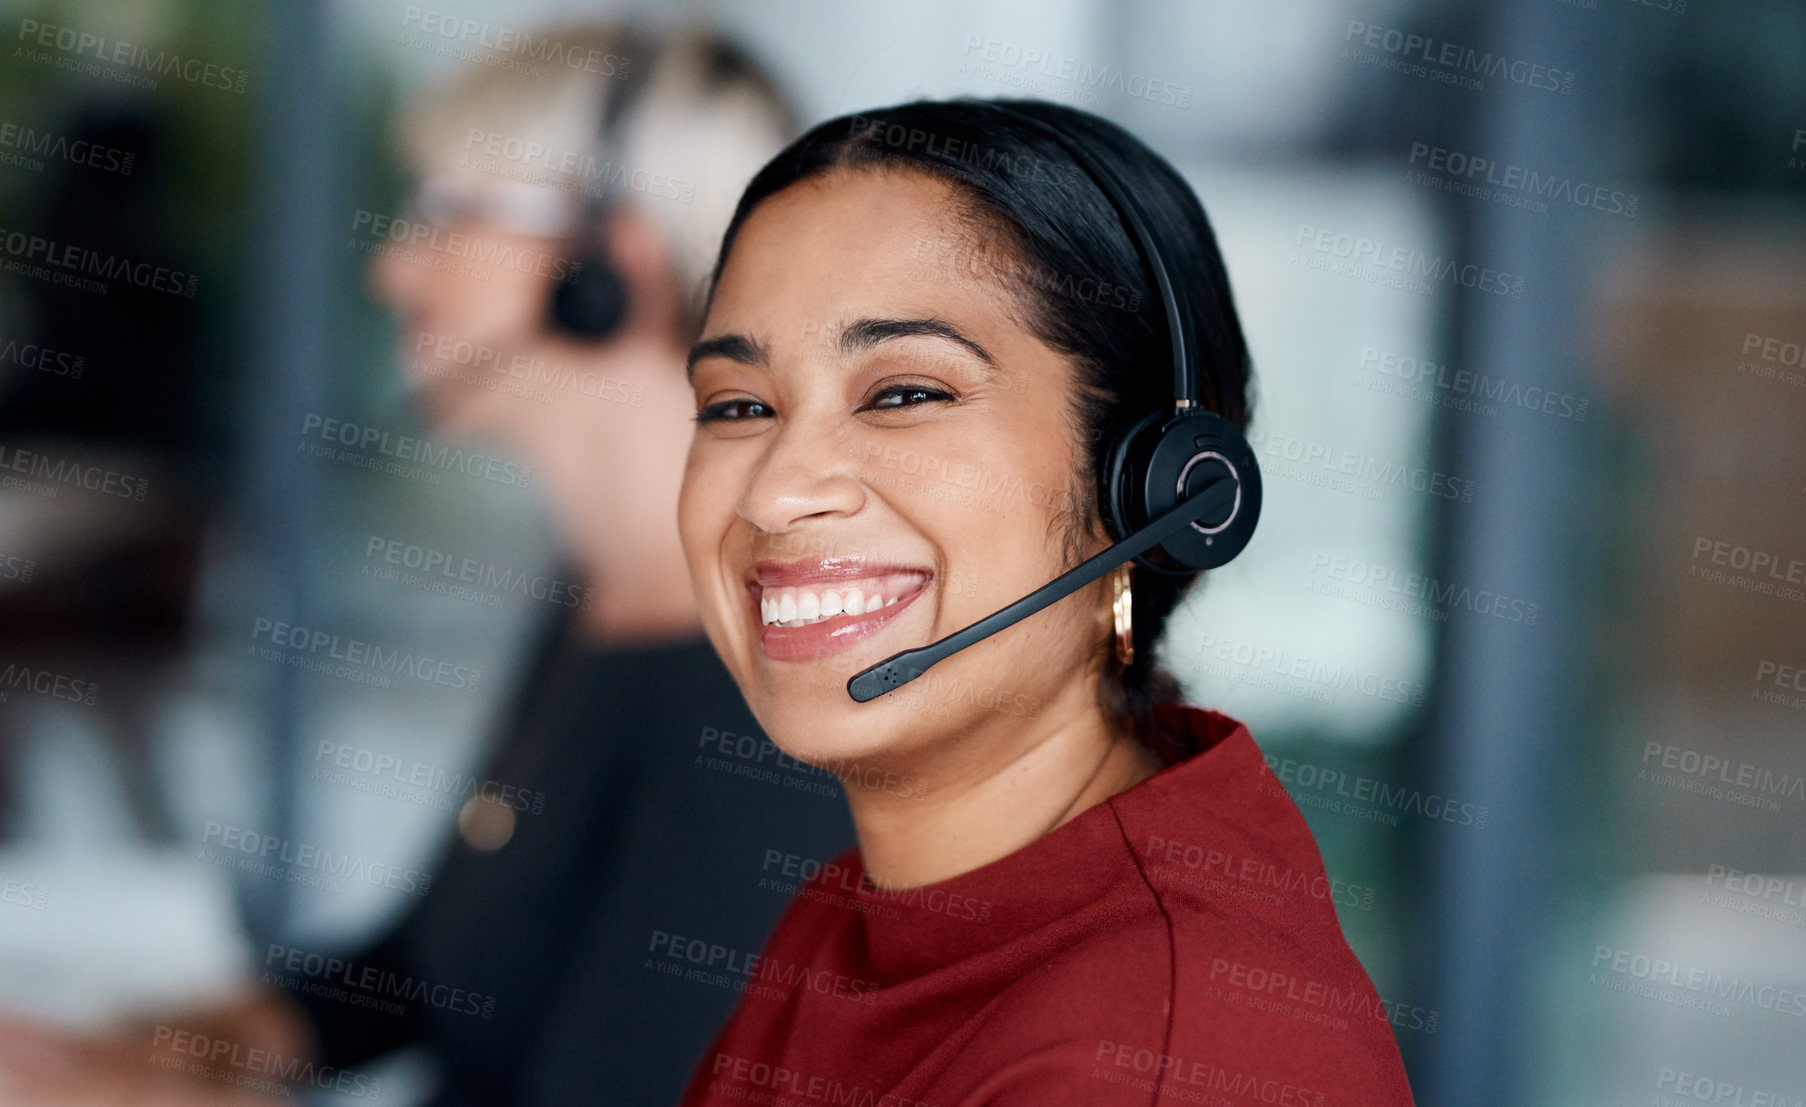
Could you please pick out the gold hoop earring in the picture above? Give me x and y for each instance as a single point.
(1122, 610)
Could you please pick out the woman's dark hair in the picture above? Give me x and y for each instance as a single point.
(1073, 265)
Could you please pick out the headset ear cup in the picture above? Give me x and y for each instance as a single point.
(1182, 455)
(592, 303)
(1122, 507)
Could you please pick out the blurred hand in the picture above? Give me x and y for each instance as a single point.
(223, 1055)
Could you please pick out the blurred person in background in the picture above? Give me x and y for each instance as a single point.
(623, 171)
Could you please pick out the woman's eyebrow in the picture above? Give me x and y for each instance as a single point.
(864, 334)
(734, 347)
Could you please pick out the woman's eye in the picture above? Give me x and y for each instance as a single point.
(733, 410)
(905, 395)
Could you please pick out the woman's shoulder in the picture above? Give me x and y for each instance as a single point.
(1226, 973)
(1139, 1012)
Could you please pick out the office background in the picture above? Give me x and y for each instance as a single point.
(1523, 630)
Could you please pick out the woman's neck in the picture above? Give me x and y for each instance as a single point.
(972, 811)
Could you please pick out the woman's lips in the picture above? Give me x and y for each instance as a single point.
(829, 611)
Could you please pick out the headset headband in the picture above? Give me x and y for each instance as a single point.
(1187, 391)
(611, 118)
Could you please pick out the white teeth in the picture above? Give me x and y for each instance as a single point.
(799, 606)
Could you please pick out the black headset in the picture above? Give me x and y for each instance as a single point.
(1167, 455)
(592, 302)
(1180, 487)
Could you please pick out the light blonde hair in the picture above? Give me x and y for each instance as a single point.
(527, 129)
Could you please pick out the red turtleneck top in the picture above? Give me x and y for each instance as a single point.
(1174, 944)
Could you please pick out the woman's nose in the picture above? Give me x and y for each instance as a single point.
(807, 472)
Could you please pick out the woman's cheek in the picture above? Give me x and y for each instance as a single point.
(701, 523)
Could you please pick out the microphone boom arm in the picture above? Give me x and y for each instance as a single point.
(901, 668)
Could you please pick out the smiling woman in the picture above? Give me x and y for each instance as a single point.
(924, 324)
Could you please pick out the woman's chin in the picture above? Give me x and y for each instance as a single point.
(821, 735)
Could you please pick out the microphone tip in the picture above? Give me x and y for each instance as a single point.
(867, 685)
(886, 676)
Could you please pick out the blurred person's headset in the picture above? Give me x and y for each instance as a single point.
(1181, 485)
(592, 303)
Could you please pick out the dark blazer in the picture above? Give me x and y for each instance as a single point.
(653, 828)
